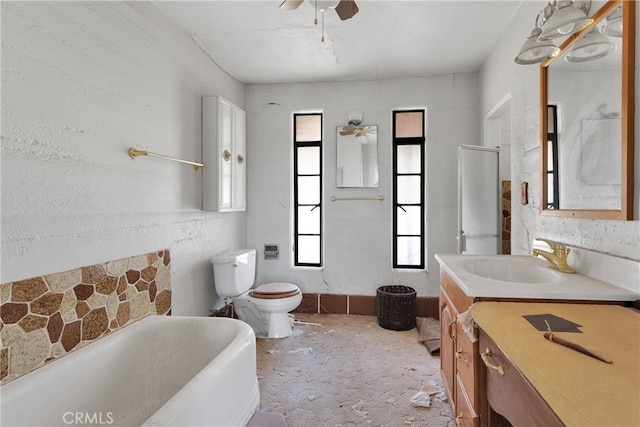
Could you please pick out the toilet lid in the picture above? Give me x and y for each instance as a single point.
(275, 290)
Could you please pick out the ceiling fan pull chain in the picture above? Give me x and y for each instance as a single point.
(315, 16)
(322, 40)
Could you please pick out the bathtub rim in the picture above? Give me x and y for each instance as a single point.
(18, 390)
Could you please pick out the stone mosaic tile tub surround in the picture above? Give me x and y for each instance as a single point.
(44, 318)
(506, 217)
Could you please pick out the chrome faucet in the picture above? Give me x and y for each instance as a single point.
(557, 259)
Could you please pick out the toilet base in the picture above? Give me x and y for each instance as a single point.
(265, 324)
(280, 326)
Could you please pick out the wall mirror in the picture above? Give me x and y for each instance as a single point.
(587, 114)
(357, 156)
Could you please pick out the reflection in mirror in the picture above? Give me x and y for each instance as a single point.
(584, 100)
(357, 156)
(587, 99)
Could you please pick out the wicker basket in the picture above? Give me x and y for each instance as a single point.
(396, 307)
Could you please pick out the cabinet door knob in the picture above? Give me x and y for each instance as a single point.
(461, 358)
(449, 330)
(485, 358)
(226, 154)
(240, 159)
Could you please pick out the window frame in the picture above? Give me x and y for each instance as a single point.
(552, 137)
(421, 142)
(298, 144)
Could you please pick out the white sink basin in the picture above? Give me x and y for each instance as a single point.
(512, 272)
(528, 277)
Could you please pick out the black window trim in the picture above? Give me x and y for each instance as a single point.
(409, 141)
(297, 144)
(553, 174)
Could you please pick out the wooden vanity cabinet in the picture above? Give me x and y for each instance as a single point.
(447, 347)
(506, 391)
(458, 355)
(481, 396)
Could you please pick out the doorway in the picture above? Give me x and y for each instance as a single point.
(497, 126)
(478, 200)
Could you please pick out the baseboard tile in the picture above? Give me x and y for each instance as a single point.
(364, 305)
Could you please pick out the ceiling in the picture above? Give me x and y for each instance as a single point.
(256, 42)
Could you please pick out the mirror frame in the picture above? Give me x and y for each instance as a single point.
(627, 116)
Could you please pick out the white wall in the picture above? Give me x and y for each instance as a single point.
(497, 133)
(358, 246)
(522, 83)
(81, 83)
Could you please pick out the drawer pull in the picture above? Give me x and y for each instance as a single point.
(459, 420)
(461, 358)
(449, 330)
(485, 358)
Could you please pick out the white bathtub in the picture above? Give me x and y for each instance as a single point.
(159, 371)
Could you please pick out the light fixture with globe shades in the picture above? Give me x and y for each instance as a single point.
(534, 50)
(567, 18)
(613, 24)
(594, 45)
(563, 18)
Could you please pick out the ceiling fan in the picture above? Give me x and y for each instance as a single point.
(345, 9)
(358, 131)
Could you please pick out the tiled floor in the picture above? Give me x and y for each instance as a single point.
(350, 372)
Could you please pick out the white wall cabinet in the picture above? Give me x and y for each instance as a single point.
(223, 154)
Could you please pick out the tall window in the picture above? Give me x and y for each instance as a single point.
(553, 190)
(408, 189)
(307, 189)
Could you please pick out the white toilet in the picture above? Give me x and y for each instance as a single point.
(265, 308)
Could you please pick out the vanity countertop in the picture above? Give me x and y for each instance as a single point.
(563, 286)
(581, 390)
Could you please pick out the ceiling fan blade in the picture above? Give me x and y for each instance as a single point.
(347, 131)
(290, 4)
(346, 9)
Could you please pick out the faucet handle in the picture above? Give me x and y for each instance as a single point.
(555, 246)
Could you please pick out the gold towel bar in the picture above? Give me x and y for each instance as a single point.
(133, 153)
(334, 198)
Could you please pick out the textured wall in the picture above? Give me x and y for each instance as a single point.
(358, 246)
(81, 83)
(618, 238)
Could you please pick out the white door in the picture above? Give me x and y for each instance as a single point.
(225, 142)
(239, 158)
(478, 200)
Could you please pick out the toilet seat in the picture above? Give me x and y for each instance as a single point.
(275, 290)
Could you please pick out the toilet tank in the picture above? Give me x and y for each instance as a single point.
(234, 272)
